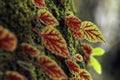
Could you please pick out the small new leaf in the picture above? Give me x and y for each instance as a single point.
(73, 66)
(73, 23)
(84, 75)
(47, 18)
(79, 57)
(8, 40)
(98, 51)
(12, 75)
(33, 51)
(96, 65)
(51, 68)
(91, 32)
(39, 3)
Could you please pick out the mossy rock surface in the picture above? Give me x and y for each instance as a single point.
(20, 17)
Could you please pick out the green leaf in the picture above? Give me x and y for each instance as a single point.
(96, 65)
(98, 51)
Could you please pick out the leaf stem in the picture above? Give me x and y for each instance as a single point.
(37, 32)
(73, 6)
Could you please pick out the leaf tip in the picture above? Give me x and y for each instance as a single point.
(15, 75)
(39, 3)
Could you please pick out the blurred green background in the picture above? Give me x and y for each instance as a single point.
(105, 14)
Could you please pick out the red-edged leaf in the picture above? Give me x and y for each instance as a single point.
(73, 22)
(84, 75)
(8, 40)
(12, 75)
(54, 41)
(79, 57)
(51, 68)
(73, 67)
(30, 49)
(91, 32)
(87, 50)
(78, 35)
(47, 18)
(75, 79)
(39, 3)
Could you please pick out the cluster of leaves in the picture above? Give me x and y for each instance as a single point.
(84, 30)
(54, 41)
(56, 44)
(81, 74)
(89, 56)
